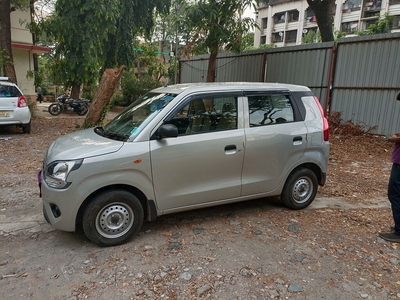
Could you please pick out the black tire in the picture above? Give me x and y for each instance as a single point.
(83, 110)
(55, 109)
(300, 189)
(26, 128)
(102, 218)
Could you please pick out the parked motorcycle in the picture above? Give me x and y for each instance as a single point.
(64, 103)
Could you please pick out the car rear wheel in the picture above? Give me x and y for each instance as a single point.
(26, 128)
(300, 189)
(112, 218)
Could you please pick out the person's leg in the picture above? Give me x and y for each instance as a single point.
(394, 196)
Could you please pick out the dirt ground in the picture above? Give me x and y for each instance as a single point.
(250, 250)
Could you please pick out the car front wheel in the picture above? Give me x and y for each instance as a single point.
(300, 189)
(112, 218)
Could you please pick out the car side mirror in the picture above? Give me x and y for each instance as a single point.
(167, 130)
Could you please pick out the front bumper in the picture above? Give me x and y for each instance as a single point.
(60, 207)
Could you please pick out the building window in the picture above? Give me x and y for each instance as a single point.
(396, 22)
(263, 3)
(263, 40)
(394, 2)
(293, 16)
(279, 18)
(264, 22)
(368, 23)
(277, 37)
(350, 27)
(290, 36)
(351, 5)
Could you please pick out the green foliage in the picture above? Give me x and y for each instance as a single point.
(315, 37)
(218, 24)
(89, 36)
(133, 18)
(20, 4)
(311, 37)
(150, 63)
(132, 88)
(80, 29)
(383, 25)
(262, 46)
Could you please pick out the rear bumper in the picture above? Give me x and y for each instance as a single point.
(16, 116)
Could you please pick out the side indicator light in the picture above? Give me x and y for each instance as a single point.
(137, 161)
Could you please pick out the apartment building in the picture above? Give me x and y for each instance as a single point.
(285, 22)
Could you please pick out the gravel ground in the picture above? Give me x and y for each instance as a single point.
(250, 250)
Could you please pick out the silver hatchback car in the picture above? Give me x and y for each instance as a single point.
(185, 147)
(14, 108)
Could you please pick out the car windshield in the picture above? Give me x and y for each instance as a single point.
(128, 124)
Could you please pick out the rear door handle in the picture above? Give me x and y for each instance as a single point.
(230, 147)
(297, 140)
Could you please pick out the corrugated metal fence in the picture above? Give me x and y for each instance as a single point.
(359, 77)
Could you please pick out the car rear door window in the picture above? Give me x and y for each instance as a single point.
(270, 109)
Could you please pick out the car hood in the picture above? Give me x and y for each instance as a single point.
(81, 144)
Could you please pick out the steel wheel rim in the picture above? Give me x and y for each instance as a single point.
(302, 190)
(114, 220)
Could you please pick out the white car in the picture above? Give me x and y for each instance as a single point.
(14, 108)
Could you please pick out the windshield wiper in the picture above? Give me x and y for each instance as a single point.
(115, 136)
(100, 130)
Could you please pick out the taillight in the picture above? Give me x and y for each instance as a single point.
(22, 101)
(326, 124)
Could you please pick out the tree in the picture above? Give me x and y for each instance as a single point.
(134, 17)
(94, 35)
(324, 12)
(103, 95)
(6, 57)
(217, 24)
(80, 29)
(150, 64)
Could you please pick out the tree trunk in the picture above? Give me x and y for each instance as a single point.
(108, 82)
(75, 91)
(324, 13)
(212, 64)
(5, 40)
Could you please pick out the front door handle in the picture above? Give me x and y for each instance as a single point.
(230, 149)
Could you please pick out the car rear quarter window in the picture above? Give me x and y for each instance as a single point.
(9, 91)
(270, 109)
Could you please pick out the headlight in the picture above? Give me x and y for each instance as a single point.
(56, 173)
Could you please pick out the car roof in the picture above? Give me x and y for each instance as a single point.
(6, 81)
(229, 86)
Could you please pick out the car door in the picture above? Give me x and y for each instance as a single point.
(204, 163)
(276, 139)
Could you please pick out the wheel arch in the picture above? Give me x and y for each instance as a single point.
(139, 194)
(321, 176)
